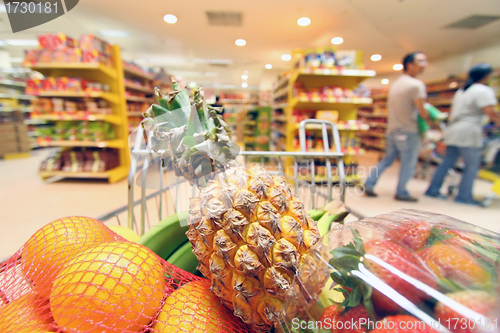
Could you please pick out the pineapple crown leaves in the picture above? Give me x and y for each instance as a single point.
(191, 132)
(345, 260)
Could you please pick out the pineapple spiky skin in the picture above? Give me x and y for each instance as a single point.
(250, 235)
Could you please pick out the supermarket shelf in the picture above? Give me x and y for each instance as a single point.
(378, 125)
(139, 99)
(14, 156)
(340, 127)
(280, 119)
(110, 97)
(112, 175)
(12, 83)
(280, 106)
(16, 109)
(280, 131)
(46, 67)
(135, 114)
(382, 96)
(91, 117)
(280, 93)
(279, 144)
(250, 122)
(375, 145)
(315, 78)
(101, 144)
(17, 96)
(371, 115)
(138, 74)
(338, 103)
(281, 83)
(139, 88)
(35, 121)
(376, 135)
(324, 179)
(239, 101)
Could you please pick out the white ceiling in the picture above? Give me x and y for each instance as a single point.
(388, 27)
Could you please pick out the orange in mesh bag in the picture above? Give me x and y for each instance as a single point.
(104, 285)
(53, 246)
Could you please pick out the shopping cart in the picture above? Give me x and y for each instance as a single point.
(162, 194)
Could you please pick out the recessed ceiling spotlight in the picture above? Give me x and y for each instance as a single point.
(304, 21)
(337, 40)
(244, 77)
(376, 57)
(269, 66)
(286, 57)
(240, 42)
(113, 33)
(384, 81)
(244, 84)
(397, 67)
(169, 18)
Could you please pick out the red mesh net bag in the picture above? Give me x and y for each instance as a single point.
(76, 275)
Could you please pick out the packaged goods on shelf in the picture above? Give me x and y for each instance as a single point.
(63, 106)
(82, 160)
(138, 69)
(63, 84)
(94, 131)
(330, 57)
(13, 138)
(332, 93)
(138, 84)
(137, 106)
(59, 48)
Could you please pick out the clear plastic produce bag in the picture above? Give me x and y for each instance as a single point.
(406, 271)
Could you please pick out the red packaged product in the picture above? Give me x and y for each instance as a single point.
(45, 42)
(61, 83)
(49, 84)
(61, 41)
(32, 86)
(31, 55)
(91, 42)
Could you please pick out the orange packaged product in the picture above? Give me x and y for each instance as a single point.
(31, 55)
(32, 86)
(59, 56)
(74, 55)
(45, 56)
(61, 83)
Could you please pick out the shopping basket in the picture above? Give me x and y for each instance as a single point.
(158, 199)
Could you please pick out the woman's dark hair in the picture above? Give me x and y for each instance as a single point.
(477, 73)
(409, 58)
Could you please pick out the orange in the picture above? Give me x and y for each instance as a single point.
(27, 314)
(114, 287)
(193, 308)
(51, 247)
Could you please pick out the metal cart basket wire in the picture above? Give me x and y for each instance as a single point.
(163, 194)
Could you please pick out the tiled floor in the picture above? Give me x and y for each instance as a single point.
(27, 203)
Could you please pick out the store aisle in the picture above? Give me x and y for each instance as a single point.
(28, 203)
(488, 218)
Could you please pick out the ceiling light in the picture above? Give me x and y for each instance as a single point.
(269, 66)
(22, 42)
(113, 33)
(240, 42)
(376, 57)
(244, 84)
(384, 81)
(397, 67)
(286, 57)
(244, 77)
(169, 18)
(337, 40)
(304, 21)
(2, 43)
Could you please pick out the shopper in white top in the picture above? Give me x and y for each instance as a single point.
(405, 101)
(463, 136)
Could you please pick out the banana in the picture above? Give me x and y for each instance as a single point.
(168, 235)
(316, 213)
(325, 222)
(184, 258)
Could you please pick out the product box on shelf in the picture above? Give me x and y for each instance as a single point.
(57, 41)
(90, 42)
(407, 270)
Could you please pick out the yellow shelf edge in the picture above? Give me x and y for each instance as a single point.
(100, 144)
(109, 71)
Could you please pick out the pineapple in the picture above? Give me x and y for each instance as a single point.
(249, 233)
